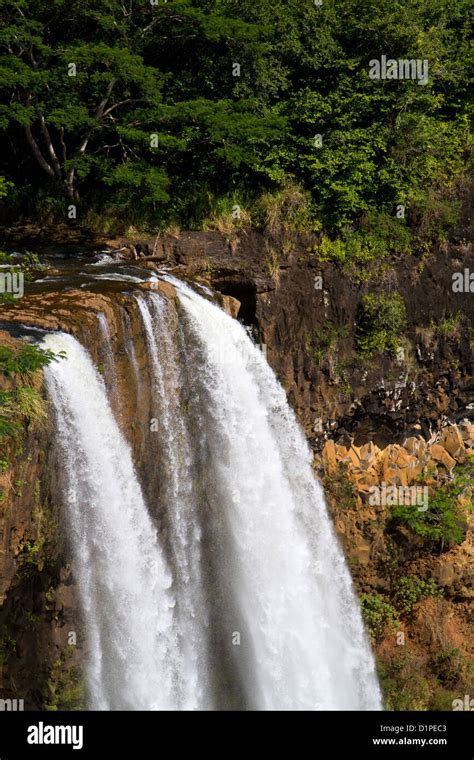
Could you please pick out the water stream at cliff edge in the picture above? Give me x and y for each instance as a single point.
(247, 602)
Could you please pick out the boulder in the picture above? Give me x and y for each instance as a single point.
(451, 439)
(402, 458)
(165, 288)
(329, 457)
(341, 452)
(362, 551)
(365, 480)
(466, 430)
(352, 457)
(411, 445)
(416, 447)
(439, 454)
(446, 574)
(231, 306)
(368, 453)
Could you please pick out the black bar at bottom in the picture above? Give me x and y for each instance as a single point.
(323, 734)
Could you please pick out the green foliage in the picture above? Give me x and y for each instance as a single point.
(444, 522)
(4, 187)
(26, 360)
(167, 69)
(31, 552)
(66, 685)
(7, 298)
(6, 259)
(449, 325)
(408, 684)
(331, 250)
(30, 404)
(28, 265)
(31, 262)
(7, 648)
(409, 590)
(411, 683)
(223, 218)
(379, 236)
(22, 402)
(382, 318)
(287, 210)
(340, 489)
(453, 668)
(379, 615)
(326, 340)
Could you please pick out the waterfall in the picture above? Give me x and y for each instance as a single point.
(123, 579)
(302, 642)
(225, 588)
(179, 494)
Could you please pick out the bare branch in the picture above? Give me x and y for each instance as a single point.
(49, 145)
(37, 152)
(98, 116)
(122, 103)
(63, 144)
(32, 58)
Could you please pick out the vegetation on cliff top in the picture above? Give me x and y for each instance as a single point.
(148, 114)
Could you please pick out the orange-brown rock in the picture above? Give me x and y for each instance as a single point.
(231, 306)
(451, 439)
(439, 454)
(165, 288)
(329, 457)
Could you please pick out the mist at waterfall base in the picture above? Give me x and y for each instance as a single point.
(227, 589)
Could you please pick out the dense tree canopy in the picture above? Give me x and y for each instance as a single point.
(166, 111)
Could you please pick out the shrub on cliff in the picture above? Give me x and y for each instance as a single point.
(409, 590)
(444, 523)
(379, 615)
(382, 319)
(23, 401)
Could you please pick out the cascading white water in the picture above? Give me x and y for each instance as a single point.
(292, 590)
(180, 501)
(122, 575)
(244, 600)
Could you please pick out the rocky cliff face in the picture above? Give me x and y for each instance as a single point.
(37, 604)
(370, 421)
(377, 423)
(404, 514)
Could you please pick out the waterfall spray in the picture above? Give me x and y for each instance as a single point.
(123, 580)
(243, 599)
